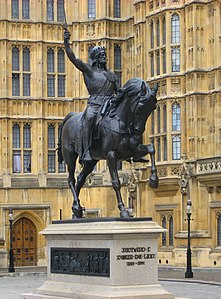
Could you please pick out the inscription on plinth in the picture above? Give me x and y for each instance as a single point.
(135, 256)
(81, 261)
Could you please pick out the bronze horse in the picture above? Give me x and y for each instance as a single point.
(117, 137)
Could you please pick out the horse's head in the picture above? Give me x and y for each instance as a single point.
(142, 106)
(136, 102)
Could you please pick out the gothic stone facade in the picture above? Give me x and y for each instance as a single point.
(175, 43)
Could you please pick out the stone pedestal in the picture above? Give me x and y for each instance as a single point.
(106, 258)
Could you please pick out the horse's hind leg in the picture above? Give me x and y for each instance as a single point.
(112, 164)
(87, 169)
(153, 180)
(71, 164)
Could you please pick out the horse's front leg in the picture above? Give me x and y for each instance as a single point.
(112, 164)
(153, 180)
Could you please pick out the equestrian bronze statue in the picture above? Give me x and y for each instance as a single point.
(110, 128)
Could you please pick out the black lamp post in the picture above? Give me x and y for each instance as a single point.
(11, 259)
(188, 273)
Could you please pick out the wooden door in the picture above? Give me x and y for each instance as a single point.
(24, 243)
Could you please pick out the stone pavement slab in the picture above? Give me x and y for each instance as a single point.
(11, 286)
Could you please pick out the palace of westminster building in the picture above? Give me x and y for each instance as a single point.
(175, 43)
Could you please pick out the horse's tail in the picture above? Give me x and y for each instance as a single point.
(59, 148)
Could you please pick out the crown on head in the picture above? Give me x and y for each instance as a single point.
(96, 51)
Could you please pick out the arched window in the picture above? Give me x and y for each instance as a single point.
(27, 148)
(117, 57)
(170, 230)
(176, 147)
(176, 117)
(175, 28)
(61, 71)
(61, 61)
(15, 59)
(50, 77)
(163, 223)
(26, 59)
(117, 9)
(27, 136)
(61, 166)
(51, 148)
(50, 60)
(219, 229)
(117, 62)
(91, 9)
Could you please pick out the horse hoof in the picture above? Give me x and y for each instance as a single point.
(77, 213)
(124, 214)
(153, 183)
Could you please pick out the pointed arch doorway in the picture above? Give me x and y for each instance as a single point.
(24, 242)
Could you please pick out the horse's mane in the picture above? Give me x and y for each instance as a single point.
(131, 88)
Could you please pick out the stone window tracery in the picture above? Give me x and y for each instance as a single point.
(21, 147)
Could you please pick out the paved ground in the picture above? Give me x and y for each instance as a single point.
(206, 283)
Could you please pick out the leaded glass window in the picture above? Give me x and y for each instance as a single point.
(158, 149)
(14, 9)
(158, 33)
(15, 59)
(26, 85)
(117, 57)
(61, 85)
(176, 147)
(50, 10)
(219, 229)
(176, 117)
(175, 59)
(175, 28)
(171, 230)
(16, 136)
(51, 85)
(50, 60)
(164, 62)
(152, 122)
(158, 63)
(51, 148)
(165, 148)
(163, 223)
(25, 9)
(152, 64)
(15, 84)
(91, 9)
(26, 59)
(158, 119)
(152, 35)
(60, 10)
(61, 61)
(117, 9)
(164, 30)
